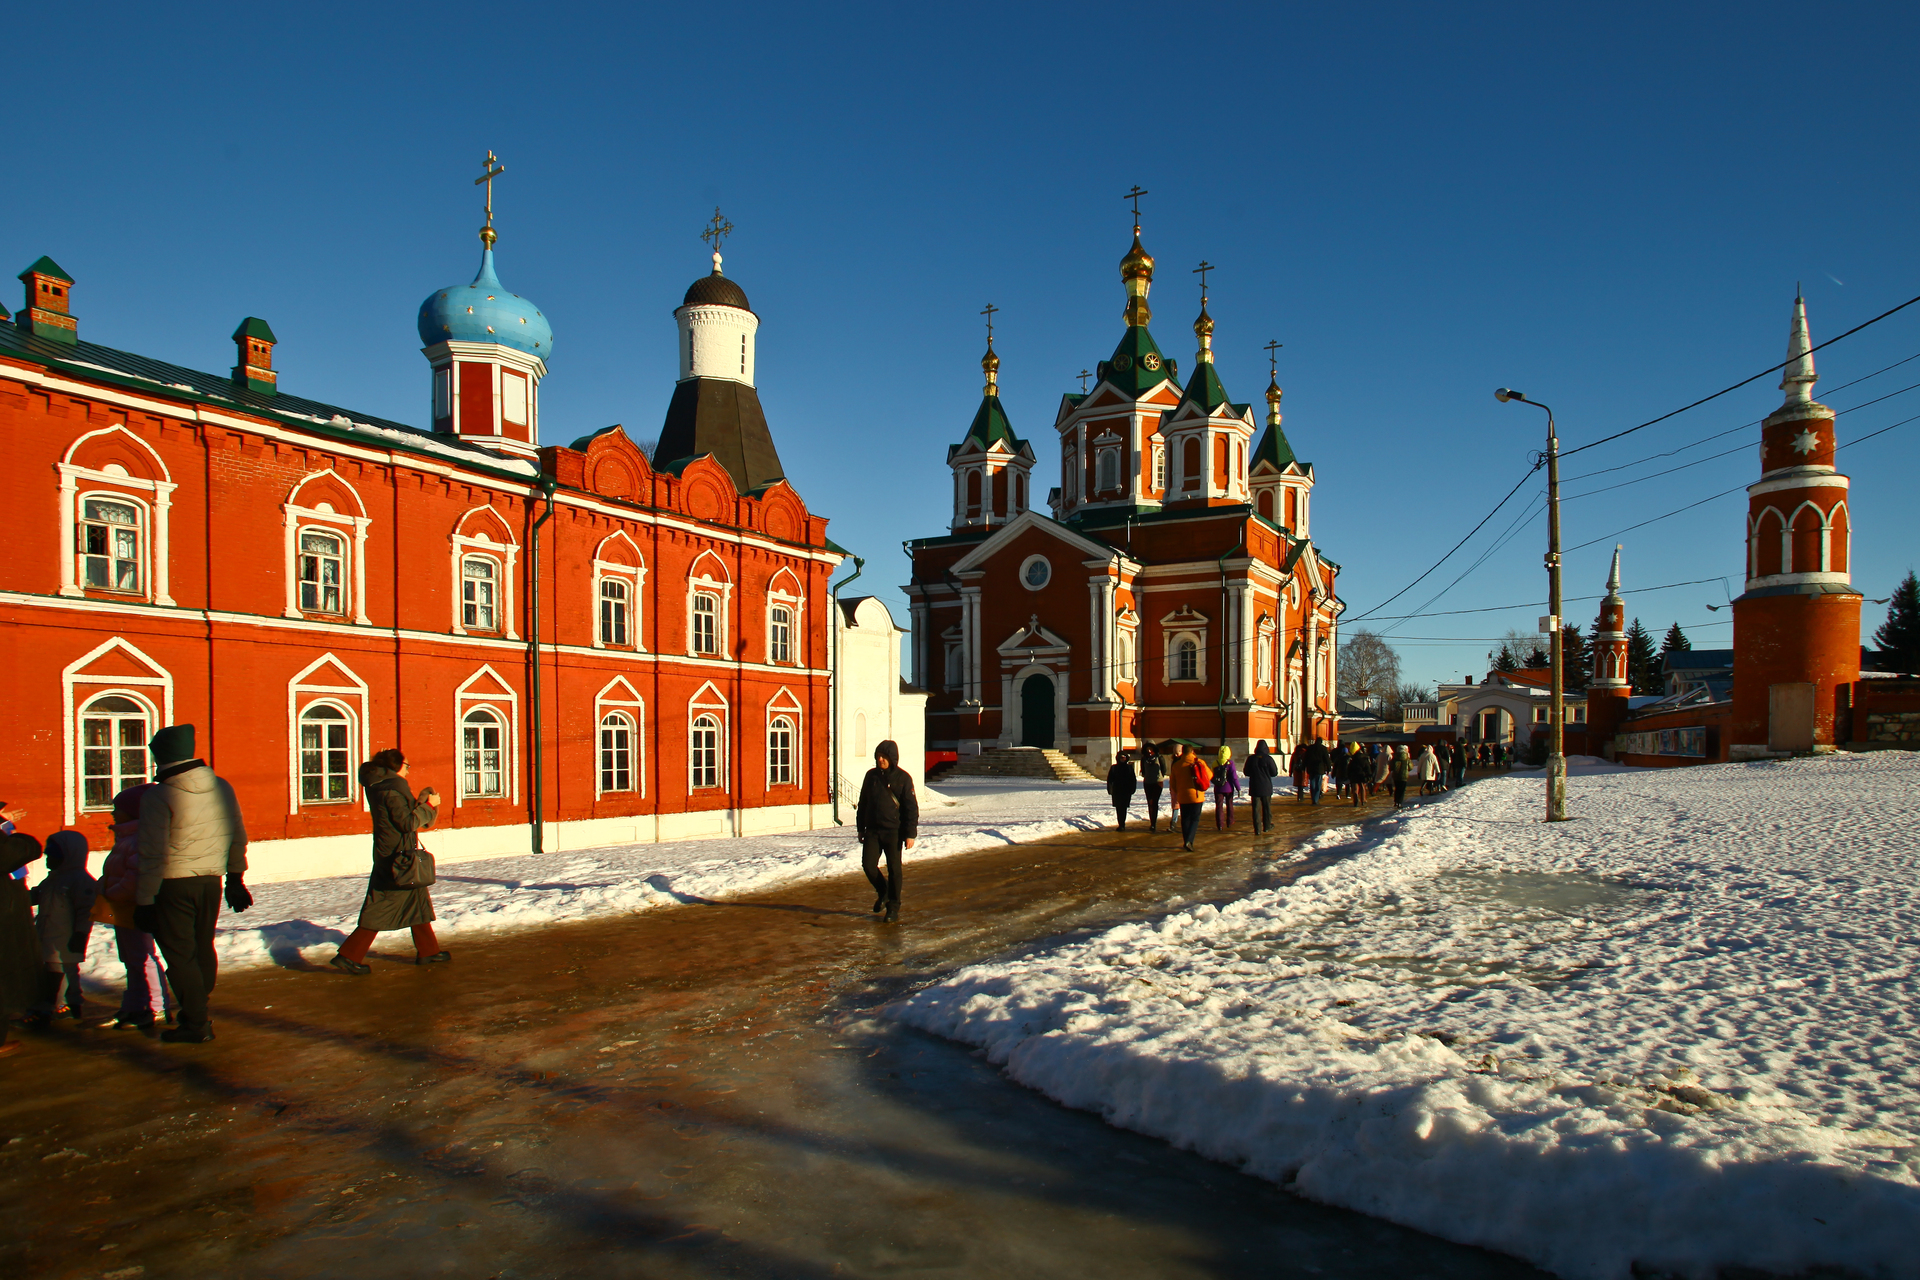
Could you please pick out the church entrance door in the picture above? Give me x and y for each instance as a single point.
(1036, 712)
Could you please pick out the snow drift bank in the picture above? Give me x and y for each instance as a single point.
(306, 919)
(1679, 1031)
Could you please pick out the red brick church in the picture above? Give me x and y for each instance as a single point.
(573, 644)
(1170, 587)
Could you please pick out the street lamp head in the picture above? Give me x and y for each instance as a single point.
(1504, 394)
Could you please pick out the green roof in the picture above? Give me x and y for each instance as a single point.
(1273, 447)
(46, 266)
(1204, 388)
(990, 427)
(1137, 365)
(254, 327)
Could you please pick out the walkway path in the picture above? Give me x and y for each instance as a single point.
(690, 1091)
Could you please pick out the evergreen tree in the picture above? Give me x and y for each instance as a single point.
(1676, 639)
(1643, 663)
(1575, 662)
(1899, 636)
(1504, 660)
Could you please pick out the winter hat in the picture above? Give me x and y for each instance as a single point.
(889, 751)
(126, 805)
(172, 745)
(66, 848)
(1226, 754)
(17, 850)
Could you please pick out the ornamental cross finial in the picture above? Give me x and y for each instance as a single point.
(718, 229)
(988, 313)
(1273, 360)
(490, 170)
(1083, 375)
(1201, 271)
(1134, 195)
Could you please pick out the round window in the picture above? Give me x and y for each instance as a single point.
(1036, 572)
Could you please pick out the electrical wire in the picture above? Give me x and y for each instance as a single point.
(1456, 546)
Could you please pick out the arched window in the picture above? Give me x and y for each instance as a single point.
(616, 751)
(1222, 466)
(1809, 532)
(483, 754)
(1263, 503)
(1186, 659)
(1159, 466)
(704, 751)
(780, 752)
(1837, 540)
(973, 493)
(323, 562)
(1190, 463)
(706, 622)
(1769, 544)
(326, 752)
(108, 545)
(1109, 467)
(860, 734)
(1124, 657)
(956, 672)
(1293, 507)
(613, 613)
(1019, 492)
(113, 749)
(779, 634)
(479, 593)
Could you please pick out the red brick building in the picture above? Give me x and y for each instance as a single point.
(572, 644)
(1172, 590)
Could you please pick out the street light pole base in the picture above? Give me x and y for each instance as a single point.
(1556, 788)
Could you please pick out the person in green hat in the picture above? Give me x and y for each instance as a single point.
(191, 836)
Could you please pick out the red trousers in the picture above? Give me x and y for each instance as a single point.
(360, 941)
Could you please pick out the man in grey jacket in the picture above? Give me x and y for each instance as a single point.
(190, 837)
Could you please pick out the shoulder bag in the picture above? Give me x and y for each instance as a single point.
(412, 868)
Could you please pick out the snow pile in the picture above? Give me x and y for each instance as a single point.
(306, 919)
(1678, 1032)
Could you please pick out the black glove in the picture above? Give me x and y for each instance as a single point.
(237, 896)
(77, 943)
(147, 919)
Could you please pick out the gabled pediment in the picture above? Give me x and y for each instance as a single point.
(1185, 616)
(980, 555)
(1030, 638)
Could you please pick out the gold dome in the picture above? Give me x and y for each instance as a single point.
(1203, 330)
(1138, 262)
(1273, 400)
(990, 365)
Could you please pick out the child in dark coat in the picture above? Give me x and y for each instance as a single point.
(63, 906)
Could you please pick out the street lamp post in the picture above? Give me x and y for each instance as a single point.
(1556, 754)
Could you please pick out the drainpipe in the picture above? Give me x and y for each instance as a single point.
(833, 691)
(547, 486)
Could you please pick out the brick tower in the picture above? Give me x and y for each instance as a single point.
(1796, 628)
(1611, 684)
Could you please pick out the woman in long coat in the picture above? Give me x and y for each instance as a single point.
(397, 818)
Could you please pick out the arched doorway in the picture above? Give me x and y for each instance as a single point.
(1036, 711)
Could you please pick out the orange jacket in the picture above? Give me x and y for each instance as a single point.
(1191, 778)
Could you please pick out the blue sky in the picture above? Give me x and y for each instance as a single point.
(1607, 207)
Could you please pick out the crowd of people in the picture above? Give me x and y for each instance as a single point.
(1354, 772)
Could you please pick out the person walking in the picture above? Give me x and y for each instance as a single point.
(1427, 769)
(1152, 777)
(1121, 785)
(1318, 761)
(1359, 774)
(1383, 768)
(398, 819)
(19, 952)
(1442, 755)
(1399, 769)
(62, 919)
(1261, 772)
(1339, 772)
(190, 838)
(1191, 778)
(1297, 769)
(146, 980)
(887, 819)
(1226, 785)
(1460, 766)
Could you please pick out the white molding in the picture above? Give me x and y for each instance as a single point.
(71, 676)
(1799, 478)
(510, 767)
(797, 711)
(723, 711)
(298, 687)
(295, 513)
(157, 549)
(635, 703)
(635, 575)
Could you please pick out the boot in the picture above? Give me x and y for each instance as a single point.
(893, 913)
(345, 965)
(186, 1035)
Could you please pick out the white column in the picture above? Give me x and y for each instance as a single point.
(162, 541)
(970, 637)
(69, 549)
(360, 524)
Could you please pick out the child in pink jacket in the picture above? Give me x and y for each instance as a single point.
(119, 881)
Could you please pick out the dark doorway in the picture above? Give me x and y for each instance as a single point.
(1036, 712)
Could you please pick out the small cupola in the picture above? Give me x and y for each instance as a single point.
(254, 368)
(47, 312)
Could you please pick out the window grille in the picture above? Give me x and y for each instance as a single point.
(616, 752)
(780, 635)
(325, 754)
(479, 593)
(613, 612)
(780, 752)
(113, 749)
(482, 757)
(322, 573)
(109, 545)
(706, 622)
(705, 751)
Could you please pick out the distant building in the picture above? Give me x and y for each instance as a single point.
(874, 703)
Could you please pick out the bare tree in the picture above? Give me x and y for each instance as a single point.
(647, 445)
(1395, 699)
(1369, 668)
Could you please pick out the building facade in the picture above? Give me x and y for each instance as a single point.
(1171, 588)
(575, 645)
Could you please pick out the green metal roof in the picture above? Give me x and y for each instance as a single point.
(990, 427)
(1137, 364)
(1204, 388)
(46, 266)
(254, 327)
(1273, 447)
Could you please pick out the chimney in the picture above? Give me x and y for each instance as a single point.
(255, 343)
(1469, 679)
(45, 314)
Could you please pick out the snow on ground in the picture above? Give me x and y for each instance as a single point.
(1679, 1031)
(308, 918)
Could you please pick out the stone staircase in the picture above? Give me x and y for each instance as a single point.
(1020, 762)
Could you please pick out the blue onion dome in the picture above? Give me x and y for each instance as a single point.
(485, 312)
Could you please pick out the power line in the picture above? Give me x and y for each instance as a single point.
(1456, 546)
(1539, 604)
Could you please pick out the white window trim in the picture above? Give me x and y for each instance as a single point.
(138, 688)
(147, 520)
(791, 709)
(795, 603)
(722, 623)
(508, 706)
(156, 550)
(619, 695)
(349, 586)
(1027, 564)
(1264, 664)
(635, 576)
(1176, 627)
(301, 694)
(709, 700)
(507, 553)
(297, 515)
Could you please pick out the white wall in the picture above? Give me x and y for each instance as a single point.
(869, 688)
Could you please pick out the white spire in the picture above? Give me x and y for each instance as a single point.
(1613, 579)
(1798, 378)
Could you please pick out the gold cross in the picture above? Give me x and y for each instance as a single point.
(988, 313)
(1201, 271)
(1273, 361)
(1134, 195)
(718, 229)
(491, 170)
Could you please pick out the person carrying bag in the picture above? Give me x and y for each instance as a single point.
(397, 896)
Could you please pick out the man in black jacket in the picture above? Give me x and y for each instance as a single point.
(1120, 785)
(1318, 761)
(1261, 771)
(887, 818)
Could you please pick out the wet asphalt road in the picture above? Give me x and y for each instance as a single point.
(684, 1092)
